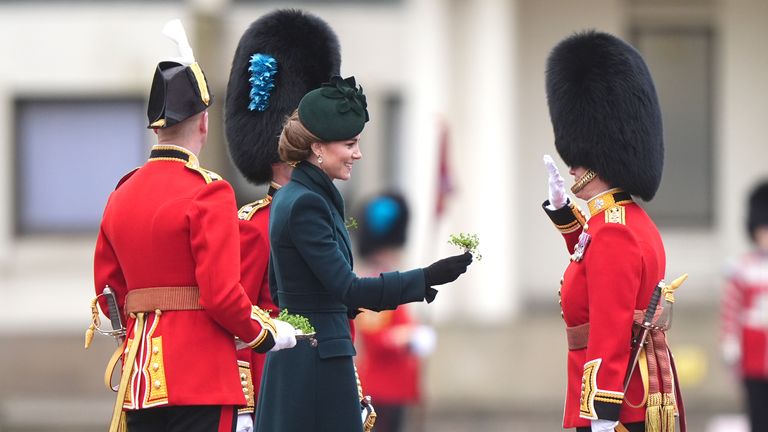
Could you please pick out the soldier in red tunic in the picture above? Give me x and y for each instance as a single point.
(280, 57)
(745, 313)
(168, 249)
(391, 342)
(607, 125)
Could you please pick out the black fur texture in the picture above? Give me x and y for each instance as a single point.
(604, 111)
(758, 208)
(307, 53)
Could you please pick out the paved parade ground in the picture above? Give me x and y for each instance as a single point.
(478, 379)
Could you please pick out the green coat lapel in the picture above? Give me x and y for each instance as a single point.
(317, 181)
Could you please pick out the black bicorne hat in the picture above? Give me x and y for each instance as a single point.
(282, 56)
(604, 111)
(383, 221)
(758, 208)
(178, 92)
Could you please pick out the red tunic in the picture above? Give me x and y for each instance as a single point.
(616, 275)
(254, 253)
(388, 370)
(169, 224)
(745, 313)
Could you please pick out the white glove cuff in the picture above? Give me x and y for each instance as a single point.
(600, 425)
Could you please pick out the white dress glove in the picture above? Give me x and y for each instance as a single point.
(731, 350)
(285, 337)
(423, 340)
(557, 196)
(244, 423)
(239, 344)
(604, 425)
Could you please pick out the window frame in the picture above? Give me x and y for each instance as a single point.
(18, 102)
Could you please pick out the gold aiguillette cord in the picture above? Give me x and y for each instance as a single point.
(117, 412)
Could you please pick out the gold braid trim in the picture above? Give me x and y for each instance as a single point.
(267, 326)
(583, 181)
(247, 211)
(202, 84)
(246, 382)
(95, 323)
(668, 412)
(118, 416)
(653, 413)
(569, 227)
(365, 401)
(589, 388)
(578, 214)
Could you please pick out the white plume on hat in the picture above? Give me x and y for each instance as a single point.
(175, 31)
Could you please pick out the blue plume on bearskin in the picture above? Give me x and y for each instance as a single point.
(263, 69)
(306, 54)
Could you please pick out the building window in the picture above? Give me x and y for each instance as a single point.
(69, 156)
(681, 62)
(316, 2)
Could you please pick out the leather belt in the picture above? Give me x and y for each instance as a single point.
(163, 298)
(578, 336)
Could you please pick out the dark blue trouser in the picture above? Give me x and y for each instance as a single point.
(631, 427)
(193, 418)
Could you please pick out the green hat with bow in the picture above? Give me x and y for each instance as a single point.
(336, 111)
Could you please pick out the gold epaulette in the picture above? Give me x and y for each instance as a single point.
(208, 175)
(616, 214)
(125, 177)
(247, 211)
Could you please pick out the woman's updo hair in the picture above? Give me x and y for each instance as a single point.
(295, 143)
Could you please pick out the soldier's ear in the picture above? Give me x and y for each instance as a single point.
(203, 123)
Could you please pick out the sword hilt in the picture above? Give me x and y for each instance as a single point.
(637, 343)
(650, 311)
(114, 311)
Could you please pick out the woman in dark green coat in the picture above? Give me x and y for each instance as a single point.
(314, 388)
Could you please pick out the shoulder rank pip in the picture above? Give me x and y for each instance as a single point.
(616, 214)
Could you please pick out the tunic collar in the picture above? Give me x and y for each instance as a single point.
(167, 152)
(273, 187)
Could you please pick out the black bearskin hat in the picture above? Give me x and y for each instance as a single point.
(282, 56)
(758, 208)
(383, 221)
(604, 111)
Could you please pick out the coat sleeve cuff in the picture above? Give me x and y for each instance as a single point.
(430, 294)
(568, 218)
(596, 403)
(266, 338)
(412, 288)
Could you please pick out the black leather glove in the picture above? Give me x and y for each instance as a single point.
(447, 269)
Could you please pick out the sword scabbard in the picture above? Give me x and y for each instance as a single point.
(645, 327)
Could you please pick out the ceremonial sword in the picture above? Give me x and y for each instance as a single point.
(645, 327)
(118, 331)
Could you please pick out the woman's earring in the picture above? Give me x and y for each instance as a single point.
(319, 159)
